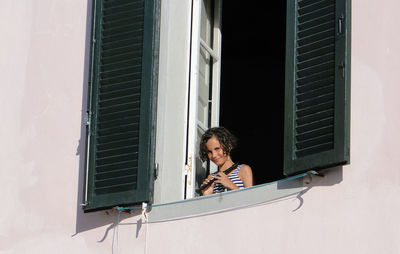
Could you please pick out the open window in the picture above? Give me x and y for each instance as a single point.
(284, 84)
(253, 84)
(278, 78)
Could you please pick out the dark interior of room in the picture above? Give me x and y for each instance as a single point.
(252, 84)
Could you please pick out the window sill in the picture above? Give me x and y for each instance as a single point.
(226, 201)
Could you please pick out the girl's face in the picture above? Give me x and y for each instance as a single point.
(215, 152)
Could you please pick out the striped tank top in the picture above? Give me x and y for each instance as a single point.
(233, 177)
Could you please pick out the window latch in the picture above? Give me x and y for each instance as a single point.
(188, 171)
(340, 24)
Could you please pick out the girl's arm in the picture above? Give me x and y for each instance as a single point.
(246, 174)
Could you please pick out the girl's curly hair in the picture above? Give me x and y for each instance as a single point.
(227, 140)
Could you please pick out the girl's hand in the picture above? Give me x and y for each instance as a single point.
(209, 189)
(223, 179)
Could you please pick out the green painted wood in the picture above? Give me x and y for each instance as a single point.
(317, 86)
(121, 139)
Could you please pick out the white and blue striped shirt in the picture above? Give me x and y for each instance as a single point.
(233, 177)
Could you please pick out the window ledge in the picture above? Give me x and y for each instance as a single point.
(226, 201)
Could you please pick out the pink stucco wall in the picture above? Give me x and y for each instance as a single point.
(43, 66)
(42, 63)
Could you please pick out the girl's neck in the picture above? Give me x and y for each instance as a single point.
(228, 163)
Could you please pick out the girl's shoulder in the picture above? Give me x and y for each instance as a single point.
(244, 169)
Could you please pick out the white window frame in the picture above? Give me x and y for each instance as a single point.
(193, 124)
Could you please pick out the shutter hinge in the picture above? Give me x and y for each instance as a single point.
(87, 118)
(156, 169)
(342, 68)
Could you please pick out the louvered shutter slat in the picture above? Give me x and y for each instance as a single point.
(119, 171)
(312, 139)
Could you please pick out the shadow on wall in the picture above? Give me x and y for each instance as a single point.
(88, 221)
(326, 177)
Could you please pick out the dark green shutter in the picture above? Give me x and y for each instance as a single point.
(120, 133)
(317, 85)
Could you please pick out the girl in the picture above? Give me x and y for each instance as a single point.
(216, 145)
